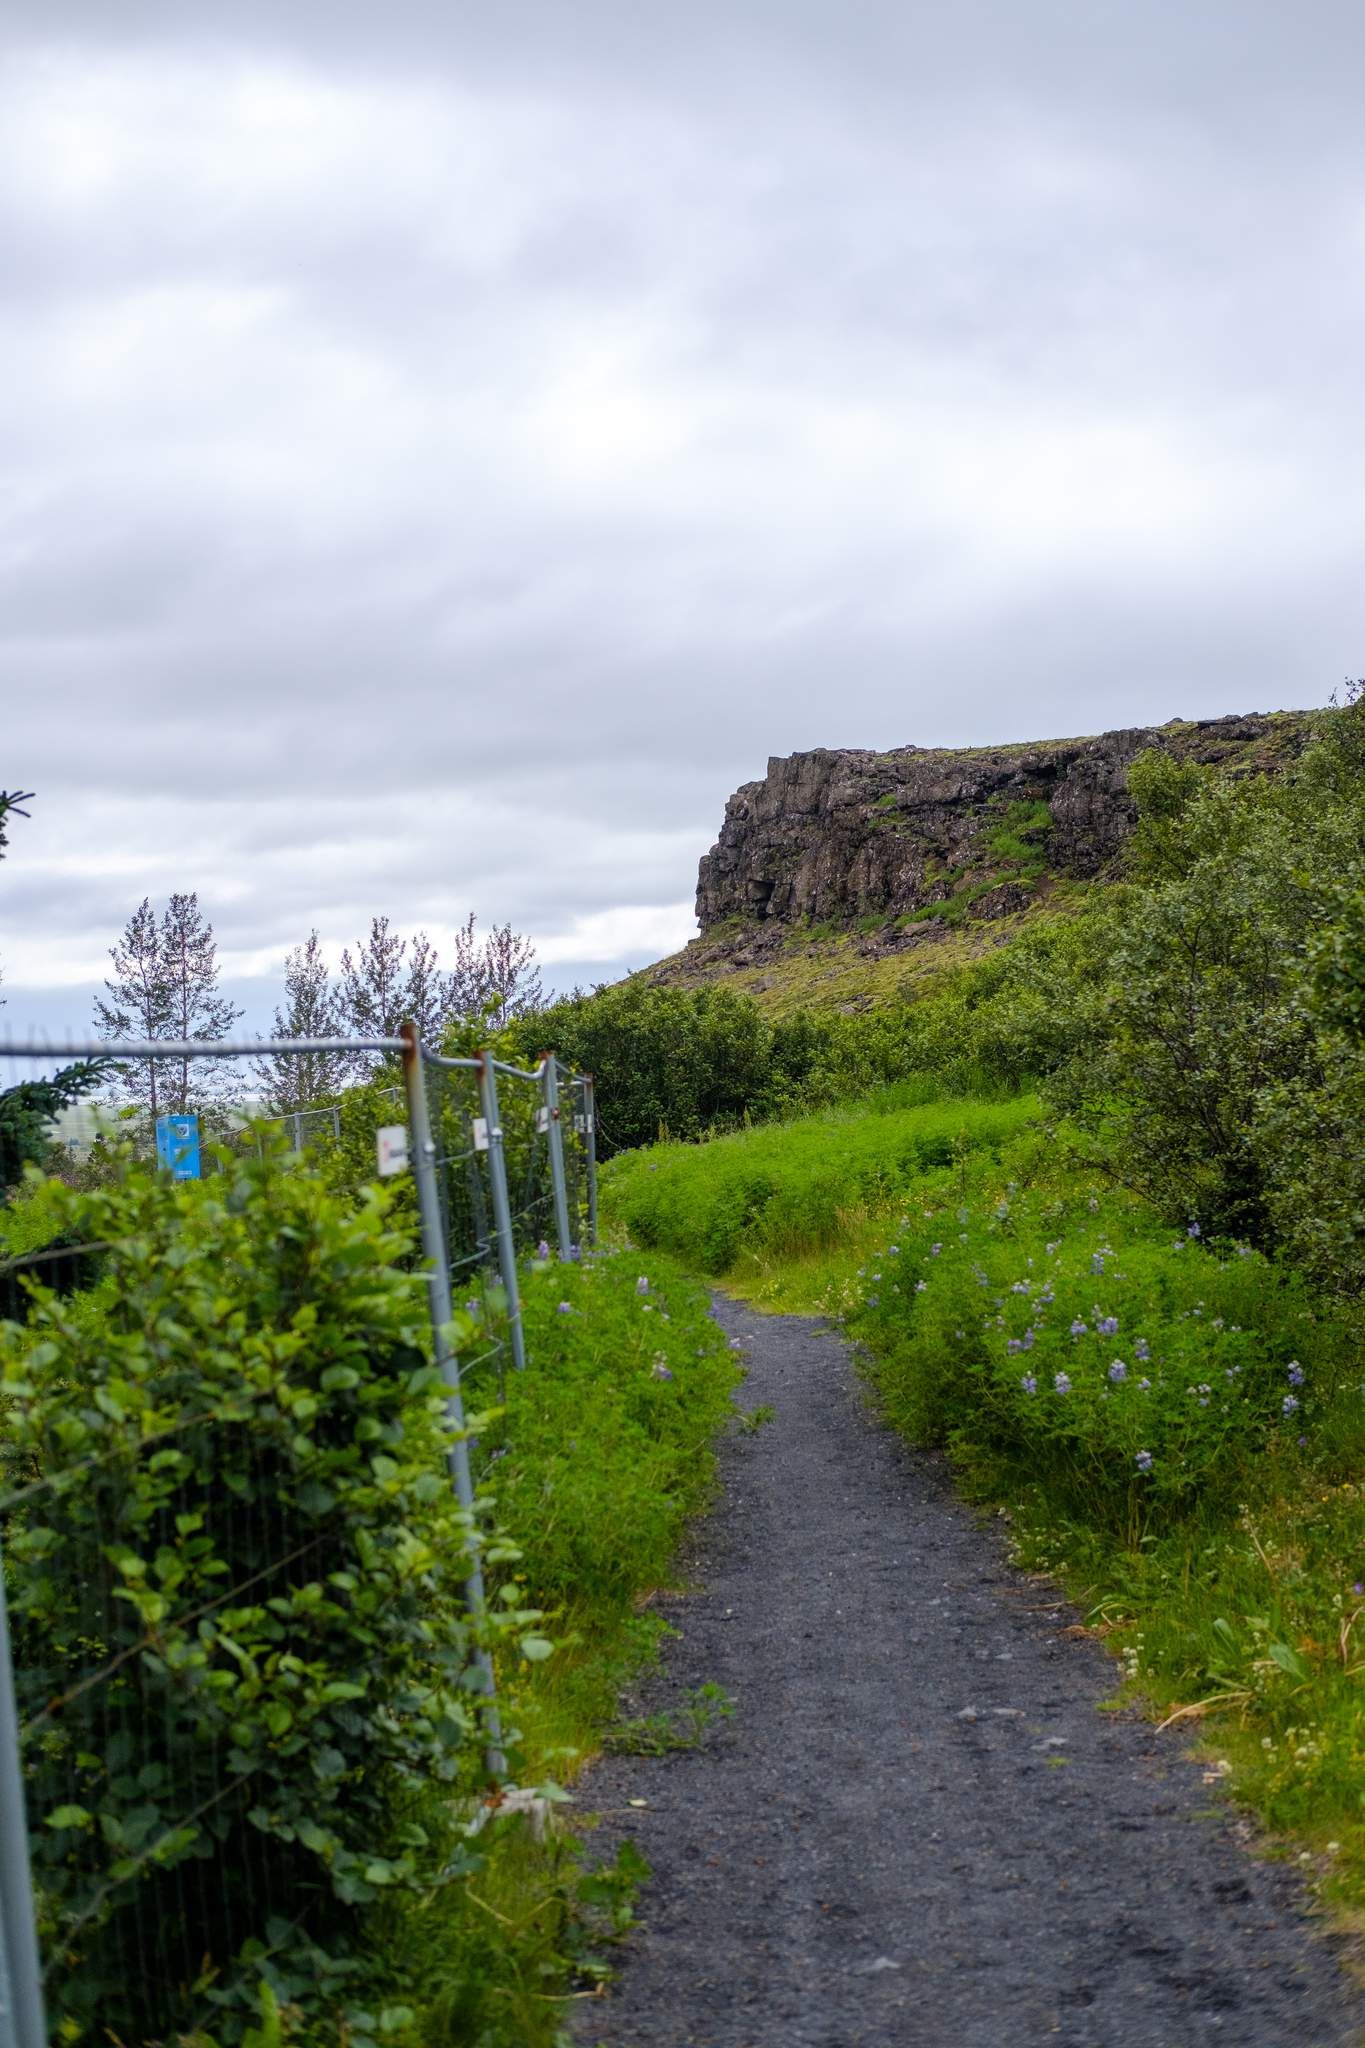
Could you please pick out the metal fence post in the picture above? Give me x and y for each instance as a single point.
(590, 1147)
(442, 1315)
(550, 1071)
(21, 1980)
(502, 1208)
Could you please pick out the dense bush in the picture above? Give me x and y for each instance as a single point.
(667, 1061)
(234, 1570)
(1066, 1332)
(1214, 1061)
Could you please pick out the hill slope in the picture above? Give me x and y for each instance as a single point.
(845, 876)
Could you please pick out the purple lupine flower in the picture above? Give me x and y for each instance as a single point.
(642, 1285)
(872, 1300)
(1295, 1373)
(1029, 1383)
(1290, 1405)
(1014, 1345)
(920, 1286)
(1061, 1383)
(893, 1251)
(1193, 1230)
(1144, 1386)
(1027, 1340)
(1107, 1326)
(1078, 1328)
(565, 1309)
(1118, 1372)
(1143, 1461)
(659, 1372)
(574, 1252)
(934, 1250)
(1097, 1262)
(1142, 1350)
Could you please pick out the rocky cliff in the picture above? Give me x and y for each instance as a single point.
(845, 835)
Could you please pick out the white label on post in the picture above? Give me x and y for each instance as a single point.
(391, 1143)
(542, 1118)
(479, 1126)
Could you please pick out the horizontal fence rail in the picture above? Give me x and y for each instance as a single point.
(502, 1166)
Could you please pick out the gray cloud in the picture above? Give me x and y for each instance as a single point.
(448, 449)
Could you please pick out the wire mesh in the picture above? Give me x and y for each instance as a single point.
(169, 1530)
(158, 1538)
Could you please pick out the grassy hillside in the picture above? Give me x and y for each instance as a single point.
(816, 967)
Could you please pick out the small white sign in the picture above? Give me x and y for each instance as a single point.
(479, 1127)
(391, 1144)
(542, 1118)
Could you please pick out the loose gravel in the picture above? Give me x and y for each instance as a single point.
(917, 1829)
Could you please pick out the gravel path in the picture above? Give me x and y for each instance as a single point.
(917, 1831)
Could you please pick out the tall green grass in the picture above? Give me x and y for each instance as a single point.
(782, 1190)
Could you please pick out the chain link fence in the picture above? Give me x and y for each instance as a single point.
(188, 1525)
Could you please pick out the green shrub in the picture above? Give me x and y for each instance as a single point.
(1205, 1062)
(234, 1568)
(1065, 1332)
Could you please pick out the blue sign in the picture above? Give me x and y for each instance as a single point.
(177, 1146)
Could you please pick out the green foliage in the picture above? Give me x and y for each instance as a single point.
(785, 1187)
(233, 1515)
(608, 1438)
(1020, 839)
(667, 1061)
(27, 1111)
(230, 1508)
(1215, 1061)
(1064, 1332)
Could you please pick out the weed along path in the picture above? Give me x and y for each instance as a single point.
(916, 1828)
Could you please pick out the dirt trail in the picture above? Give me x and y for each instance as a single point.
(917, 1831)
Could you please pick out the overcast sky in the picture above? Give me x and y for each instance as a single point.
(447, 448)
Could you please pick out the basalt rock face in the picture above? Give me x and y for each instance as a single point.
(845, 834)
